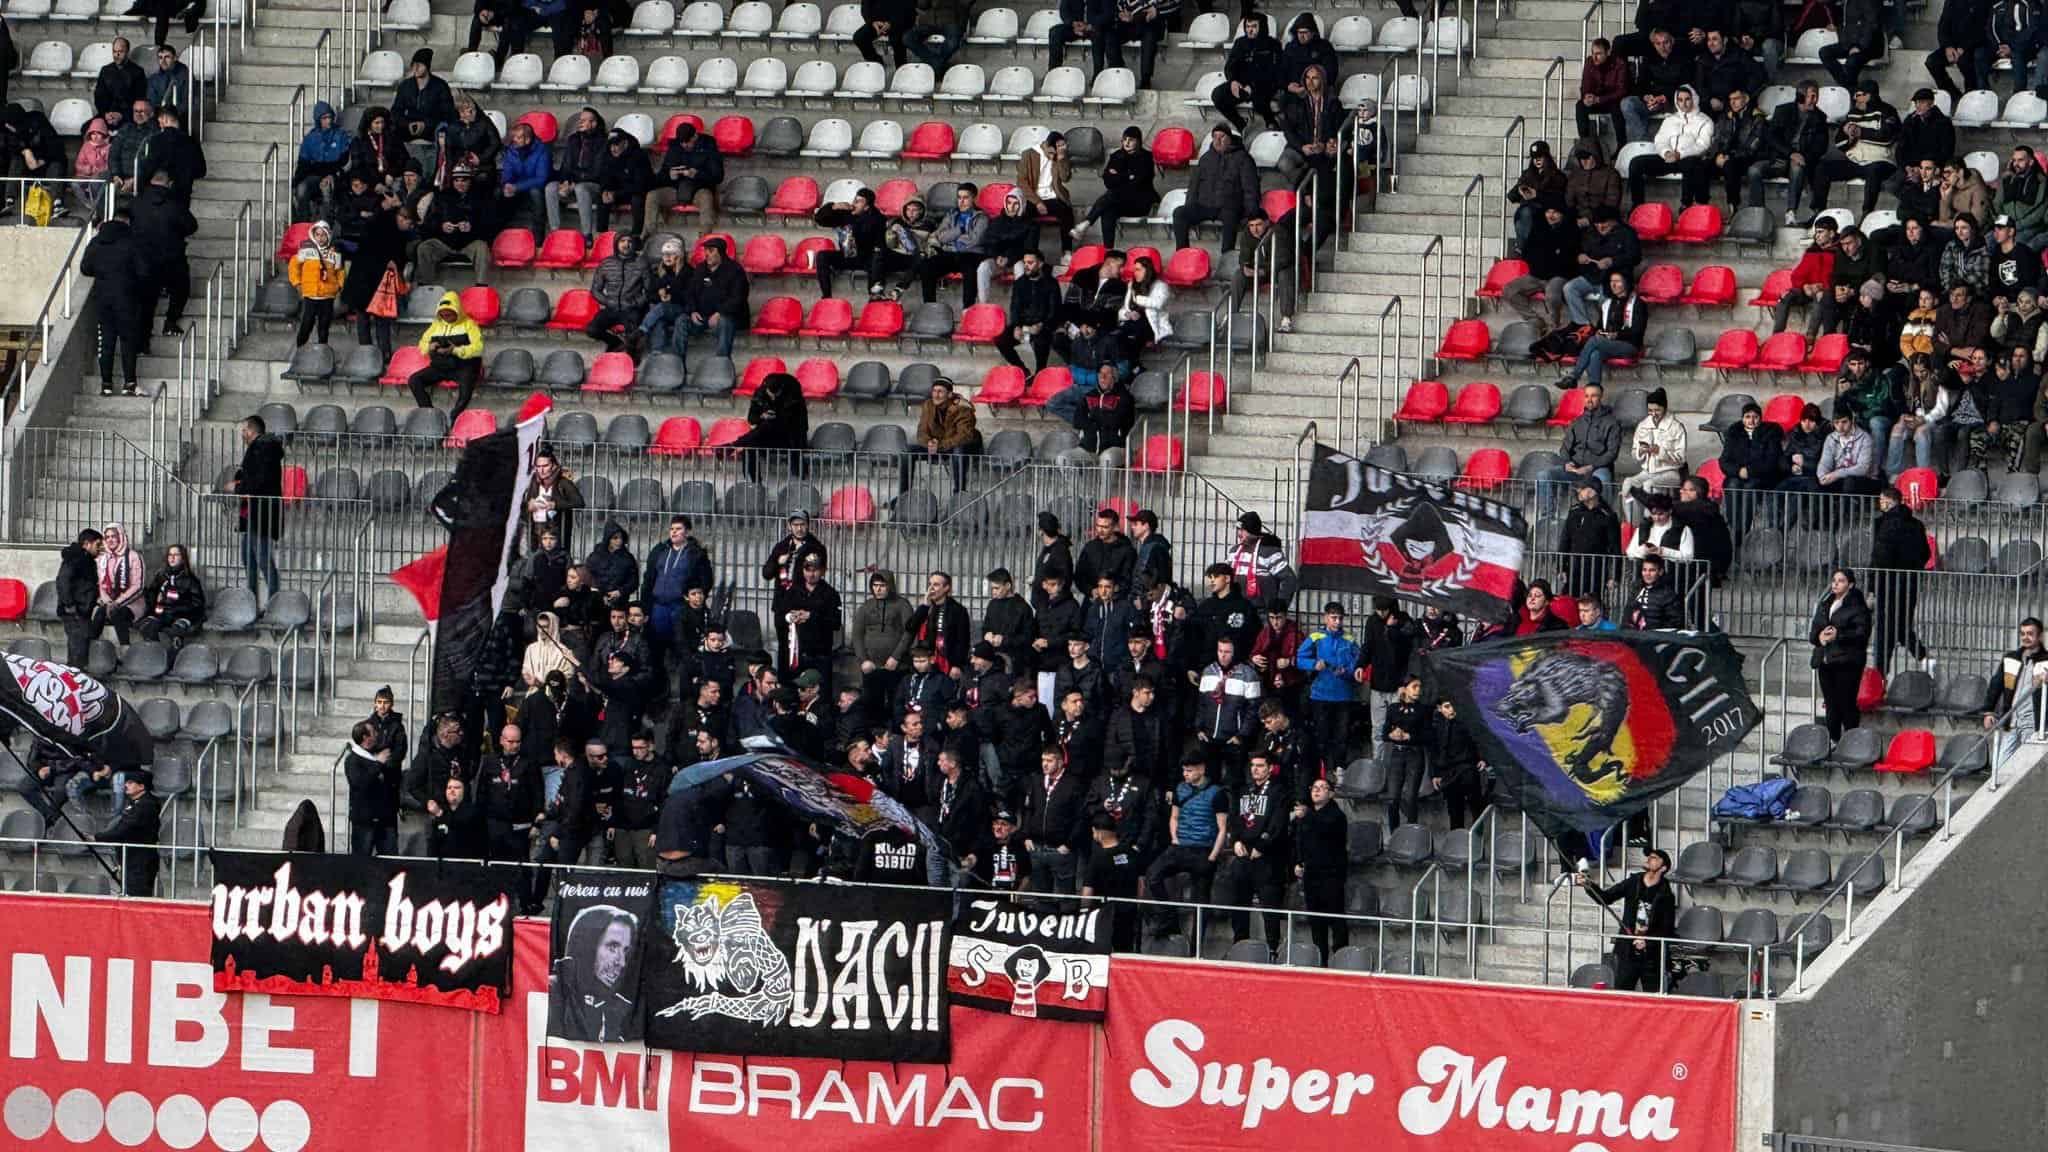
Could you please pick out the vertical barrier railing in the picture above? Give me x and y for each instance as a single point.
(1472, 215)
(1551, 89)
(1514, 144)
(1429, 288)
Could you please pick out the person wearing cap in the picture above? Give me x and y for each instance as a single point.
(1612, 246)
(1863, 148)
(1658, 445)
(999, 859)
(785, 559)
(423, 101)
(945, 431)
(458, 223)
(1603, 85)
(579, 165)
(1223, 186)
(1540, 185)
(688, 176)
(806, 616)
(1926, 135)
(983, 691)
(1258, 562)
(1007, 622)
(715, 300)
(139, 823)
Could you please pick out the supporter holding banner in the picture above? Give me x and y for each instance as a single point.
(1028, 960)
(427, 932)
(789, 969)
(1379, 533)
(594, 951)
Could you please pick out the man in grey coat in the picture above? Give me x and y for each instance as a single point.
(620, 288)
(956, 246)
(1224, 187)
(1591, 442)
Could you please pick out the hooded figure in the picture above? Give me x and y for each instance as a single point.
(316, 271)
(1301, 50)
(777, 419)
(29, 132)
(378, 149)
(112, 261)
(323, 153)
(613, 570)
(547, 653)
(94, 155)
(454, 347)
(120, 582)
(590, 988)
(1252, 73)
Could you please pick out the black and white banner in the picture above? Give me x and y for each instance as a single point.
(1007, 956)
(798, 969)
(594, 951)
(429, 932)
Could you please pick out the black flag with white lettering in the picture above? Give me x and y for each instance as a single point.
(1018, 959)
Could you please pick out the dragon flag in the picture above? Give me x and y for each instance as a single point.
(460, 586)
(1367, 530)
(1587, 729)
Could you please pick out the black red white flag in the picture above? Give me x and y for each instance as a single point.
(70, 709)
(461, 585)
(1367, 530)
(1011, 957)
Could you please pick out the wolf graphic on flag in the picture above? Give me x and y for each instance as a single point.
(1580, 720)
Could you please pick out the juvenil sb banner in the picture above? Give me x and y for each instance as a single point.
(599, 936)
(435, 932)
(1367, 530)
(461, 585)
(1588, 728)
(1040, 962)
(798, 969)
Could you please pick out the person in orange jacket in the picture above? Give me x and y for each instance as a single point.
(317, 273)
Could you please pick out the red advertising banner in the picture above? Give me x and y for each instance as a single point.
(1219, 1057)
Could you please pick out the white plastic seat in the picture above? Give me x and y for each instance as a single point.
(652, 18)
(914, 81)
(750, 20)
(978, 142)
(617, 75)
(203, 61)
(1113, 86)
(830, 137)
(842, 23)
(92, 58)
(408, 16)
(1063, 85)
(2024, 110)
(841, 191)
(1879, 220)
(1024, 140)
(1351, 34)
(50, 58)
(1630, 153)
(1806, 49)
(767, 79)
(1209, 30)
(717, 76)
(1448, 36)
(815, 78)
(477, 70)
(382, 69)
(799, 21)
(1836, 102)
(75, 10)
(569, 73)
(1014, 82)
(994, 26)
(1358, 88)
(1208, 83)
(1174, 198)
(28, 9)
(1772, 96)
(1410, 92)
(667, 76)
(862, 80)
(497, 120)
(1038, 26)
(963, 82)
(1984, 163)
(880, 140)
(1266, 148)
(638, 125)
(1943, 102)
(1401, 34)
(1844, 218)
(70, 115)
(1977, 109)
(701, 20)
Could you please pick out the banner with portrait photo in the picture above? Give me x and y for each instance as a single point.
(595, 947)
(1044, 963)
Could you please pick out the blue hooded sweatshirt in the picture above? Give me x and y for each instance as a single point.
(1339, 654)
(324, 145)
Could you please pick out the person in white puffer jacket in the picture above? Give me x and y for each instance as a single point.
(1684, 145)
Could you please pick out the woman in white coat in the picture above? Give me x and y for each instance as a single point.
(1142, 321)
(1684, 145)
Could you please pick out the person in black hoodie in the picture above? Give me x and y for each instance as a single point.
(174, 601)
(1034, 312)
(1649, 916)
(1022, 728)
(1898, 552)
(372, 797)
(567, 823)
(1591, 530)
(1127, 187)
(806, 614)
(1252, 74)
(1108, 553)
(508, 789)
(643, 785)
(1712, 539)
(1055, 821)
(888, 21)
(1454, 765)
(1322, 841)
(1088, 20)
(162, 223)
(443, 755)
(1751, 455)
(1008, 623)
(1255, 864)
(1055, 554)
(78, 593)
(1305, 46)
(1141, 738)
(1225, 613)
(622, 180)
(612, 569)
(111, 259)
(1404, 738)
(458, 832)
(578, 170)
(861, 231)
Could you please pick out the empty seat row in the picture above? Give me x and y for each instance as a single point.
(228, 609)
(1910, 751)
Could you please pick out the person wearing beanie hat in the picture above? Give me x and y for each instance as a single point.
(423, 102)
(1258, 564)
(1659, 448)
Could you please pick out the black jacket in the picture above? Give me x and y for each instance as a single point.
(701, 154)
(963, 812)
(946, 628)
(458, 833)
(614, 570)
(1230, 614)
(1131, 801)
(1658, 920)
(574, 810)
(431, 104)
(1116, 558)
(1020, 733)
(1105, 421)
(1552, 251)
(1295, 57)
(118, 87)
(140, 822)
(176, 594)
(1594, 531)
(1055, 619)
(1057, 815)
(110, 259)
(1453, 758)
(173, 150)
(371, 799)
(814, 636)
(1128, 176)
(1762, 452)
(625, 175)
(1255, 60)
(1147, 742)
(1898, 541)
(1796, 129)
(1851, 621)
(1033, 299)
(1322, 842)
(1711, 539)
(509, 789)
(161, 223)
(643, 785)
(1386, 647)
(1011, 618)
(1929, 137)
(722, 290)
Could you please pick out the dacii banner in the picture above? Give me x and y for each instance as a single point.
(1330, 1062)
(313, 925)
(798, 969)
(1013, 956)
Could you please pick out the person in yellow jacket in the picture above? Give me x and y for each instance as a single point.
(454, 348)
(317, 273)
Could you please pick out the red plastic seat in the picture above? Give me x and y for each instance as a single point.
(677, 436)
(1173, 148)
(1917, 486)
(1123, 506)
(1775, 286)
(1651, 221)
(294, 238)
(803, 259)
(1186, 268)
(757, 370)
(893, 195)
(734, 135)
(781, 316)
(765, 254)
(1499, 276)
(545, 126)
(992, 196)
(1733, 352)
(1204, 392)
(480, 303)
(1870, 691)
(1828, 353)
(1277, 202)
(604, 247)
(1711, 473)
(1162, 453)
(1661, 284)
(725, 432)
(294, 484)
(1485, 470)
(1466, 340)
(931, 140)
(1699, 224)
(1783, 410)
(668, 131)
(1133, 255)
(1049, 383)
(1781, 353)
(13, 599)
(880, 320)
(513, 248)
(818, 378)
(611, 372)
(1910, 751)
(980, 324)
(1712, 287)
(1085, 257)
(852, 504)
(1003, 385)
(1426, 403)
(1569, 406)
(562, 249)
(574, 311)
(407, 360)
(1477, 403)
(829, 320)
(470, 424)
(797, 196)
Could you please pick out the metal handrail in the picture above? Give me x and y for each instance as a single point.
(1293, 509)
(1518, 131)
(1552, 83)
(415, 701)
(1431, 291)
(1471, 233)
(1350, 398)
(1379, 390)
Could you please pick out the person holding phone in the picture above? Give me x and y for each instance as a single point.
(454, 347)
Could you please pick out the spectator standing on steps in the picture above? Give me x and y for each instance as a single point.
(454, 347)
(1321, 852)
(139, 826)
(112, 259)
(372, 793)
(78, 594)
(1840, 635)
(161, 225)
(259, 481)
(316, 271)
(1223, 187)
(1649, 916)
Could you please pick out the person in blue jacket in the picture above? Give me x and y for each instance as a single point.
(1331, 659)
(525, 169)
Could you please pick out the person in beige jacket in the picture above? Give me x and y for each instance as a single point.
(1042, 174)
(1964, 191)
(945, 431)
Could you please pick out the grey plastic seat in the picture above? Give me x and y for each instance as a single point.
(573, 429)
(231, 609)
(1012, 513)
(1854, 552)
(1727, 413)
(1173, 946)
(714, 376)
(337, 484)
(1756, 927)
(429, 486)
(1248, 952)
(885, 440)
(1151, 391)
(279, 418)
(422, 304)
(208, 720)
(172, 773)
(2018, 490)
(1363, 780)
(1816, 934)
(1859, 810)
(747, 500)
(1352, 958)
(1805, 870)
(1753, 225)
(510, 368)
(1753, 867)
(1631, 406)
(1455, 847)
(374, 420)
(1964, 752)
(1009, 448)
(1534, 465)
(1809, 806)
(526, 308)
(1866, 878)
(287, 610)
(1971, 554)
(276, 300)
(1514, 341)
(933, 321)
(661, 372)
(916, 508)
(1674, 348)
(867, 380)
(1084, 145)
(363, 366)
(1411, 844)
(643, 495)
(1528, 405)
(797, 494)
(1763, 550)
(30, 647)
(248, 664)
(389, 490)
(160, 716)
(2017, 557)
(1700, 924)
(1860, 748)
(938, 197)
(310, 364)
(695, 498)
(1592, 976)
(563, 369)
(144, 660)
(598, 491)
(1364, 840)
(780, 138)
(1913, 814)
(426, 427)
(1700, 862)
(1910, 690)
(1514, 852)
(1053, 445)
(324, 420)
(835, 436)
(746, 194)
(1969, 486)
(1190, 329)
(1392, 457)
(195, 664)
(628, 432)
(1437, 463)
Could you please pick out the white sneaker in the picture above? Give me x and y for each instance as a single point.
(1287, 323)
(1896, 43)
(1078, 231)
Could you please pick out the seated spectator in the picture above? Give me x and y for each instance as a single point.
(1923, 408)
(1741, 152)
(1223, 187)
(622, 179)
(937, 38)
(1107, 413)
(1965, 260)
(1591, 442)
(1919, 190)
(1042, 174)
(1848, 461)
(131, 143)
(1659, 446)
(525, 169)
(1540, 185)
(1659, 75)
(620, 287)
(1313, 122)
(1033, 313)
(323, 155)
(2021, 325)
(458, 224)
(579, 171)
(1142, 320)
(1684, 143)
(1863, 148)
(1860, 32)
(1963, 192)
(1812, 283)
(858, 231)
(714, 300)
(1590, 186)
(1146, 23)
(945, 431)
(1551, 250)
(2014, 395)
(423, 102)
(1751, 456)
(378, 150)
(316, 272)
(1251, 74)
(504, 17)
(1273, 263)
(890, 21)
(1660, 534)
(2023, 195)
(1603, 85)
(2011, 264)
(34, 150)
(1127, 188)
(454, 347)
(1926, 134)
(903, 243)
(1876, 396)
(1912, 265)
(1617, 334)
(1611, 247)
(1724, 69)
(1799, 138)
(120, 570)
(470, 139)
(957, 244)
(173, 602)
(1591, 538)
(120, 83)
(1962, 326)
(592, 29)
(1962, 37)
(690, 171)
(777, 421)
(1007, 238)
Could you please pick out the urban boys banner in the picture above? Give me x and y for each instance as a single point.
(594, 951)
(786, 969)
(1010, 957)
(431, 933)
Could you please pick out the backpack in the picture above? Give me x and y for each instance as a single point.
(1761, 801)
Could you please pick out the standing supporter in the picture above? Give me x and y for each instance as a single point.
(2015, 686)
(259, 481)
(138, 827)
(1265, 267)
(806, 614)
(1840, 635)
(1226, 710)
(1321, 852)
(1384, 655)
(1404, 733)
(1258, 562)
(1055, 819)
(1007, 623)
(674, 566)
(1649, 917)
(113, 260)
(1257, 867)
(1197, 829)
(1898, 552)
(162, 223)
(316, 271)
(1455, 770)
(78, 594)
(372, 774)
